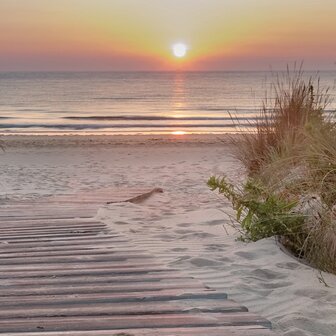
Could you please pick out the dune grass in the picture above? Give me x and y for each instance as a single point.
(291, 165)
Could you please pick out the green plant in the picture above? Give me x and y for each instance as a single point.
(260, 212)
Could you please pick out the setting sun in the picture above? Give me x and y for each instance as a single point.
(180, 50)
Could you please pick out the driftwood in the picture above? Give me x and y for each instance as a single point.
(142, 197)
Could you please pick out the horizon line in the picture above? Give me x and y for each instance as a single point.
(159, 71)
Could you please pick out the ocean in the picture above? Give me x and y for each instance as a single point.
(135, 102)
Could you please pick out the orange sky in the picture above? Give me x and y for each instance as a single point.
(139, 34)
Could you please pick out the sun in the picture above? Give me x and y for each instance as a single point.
(180, 50)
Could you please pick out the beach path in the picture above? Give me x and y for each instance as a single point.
(63, 272)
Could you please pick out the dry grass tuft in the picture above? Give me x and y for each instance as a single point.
(292, 152)
(296, 103)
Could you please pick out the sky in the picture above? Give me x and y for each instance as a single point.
(119, 35)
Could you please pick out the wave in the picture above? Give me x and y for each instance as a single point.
(120, 98)
(156, 118)
(118, 126)
(31, 110)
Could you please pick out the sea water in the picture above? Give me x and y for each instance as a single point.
(136, 102)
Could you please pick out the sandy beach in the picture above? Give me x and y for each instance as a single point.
(187, 226)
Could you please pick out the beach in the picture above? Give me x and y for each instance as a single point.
(187, 226)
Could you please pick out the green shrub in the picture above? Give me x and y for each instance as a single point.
(260, 212)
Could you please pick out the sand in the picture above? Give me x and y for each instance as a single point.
(187, 226)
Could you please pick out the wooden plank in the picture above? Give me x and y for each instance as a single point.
(80, 266)
(94, 279)
(47, 206)
(101, 288)
(135, 308)
(52, 212)
(51, 229)
(53, 235)
(54, 232)
(64, 246)
(23, 217)
(61, 250)
(40, 206)
(63, 237)
(69, 242)
(82, 238)
(130, 322)
(51, 255)
(73, 259)
(84, 272)
(47, 222)
(94, 298)
(251, 330)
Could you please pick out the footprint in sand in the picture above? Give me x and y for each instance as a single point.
(275, 285)
(215, 221)
(179, 249)
(165, 237)
(313, 294)
(201, 235)
(203, 262)
(184, 231)
(268, 274)
(288, 265)
(246, 255)
(120, 223)
(184, 225)
(215, 247)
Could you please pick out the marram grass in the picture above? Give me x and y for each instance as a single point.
(291, 163)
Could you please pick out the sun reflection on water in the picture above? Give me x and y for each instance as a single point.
(179, 93)
(178, 132)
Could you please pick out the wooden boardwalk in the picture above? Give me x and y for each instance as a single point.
(65, 273)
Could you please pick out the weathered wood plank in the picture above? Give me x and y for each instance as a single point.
(69, 242)
(164, 277)
(52, 255)
(164, 295)
(82, 272)
(95, 289)
(75, 259)
(50, 230)
(135, 308)
(38, 229)
(6, 269)
(130, 322)
(47, 222)
(251, 330)
(59, 246)
(79, 237)
(53, 236)
(23, 217)
(61, 250)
